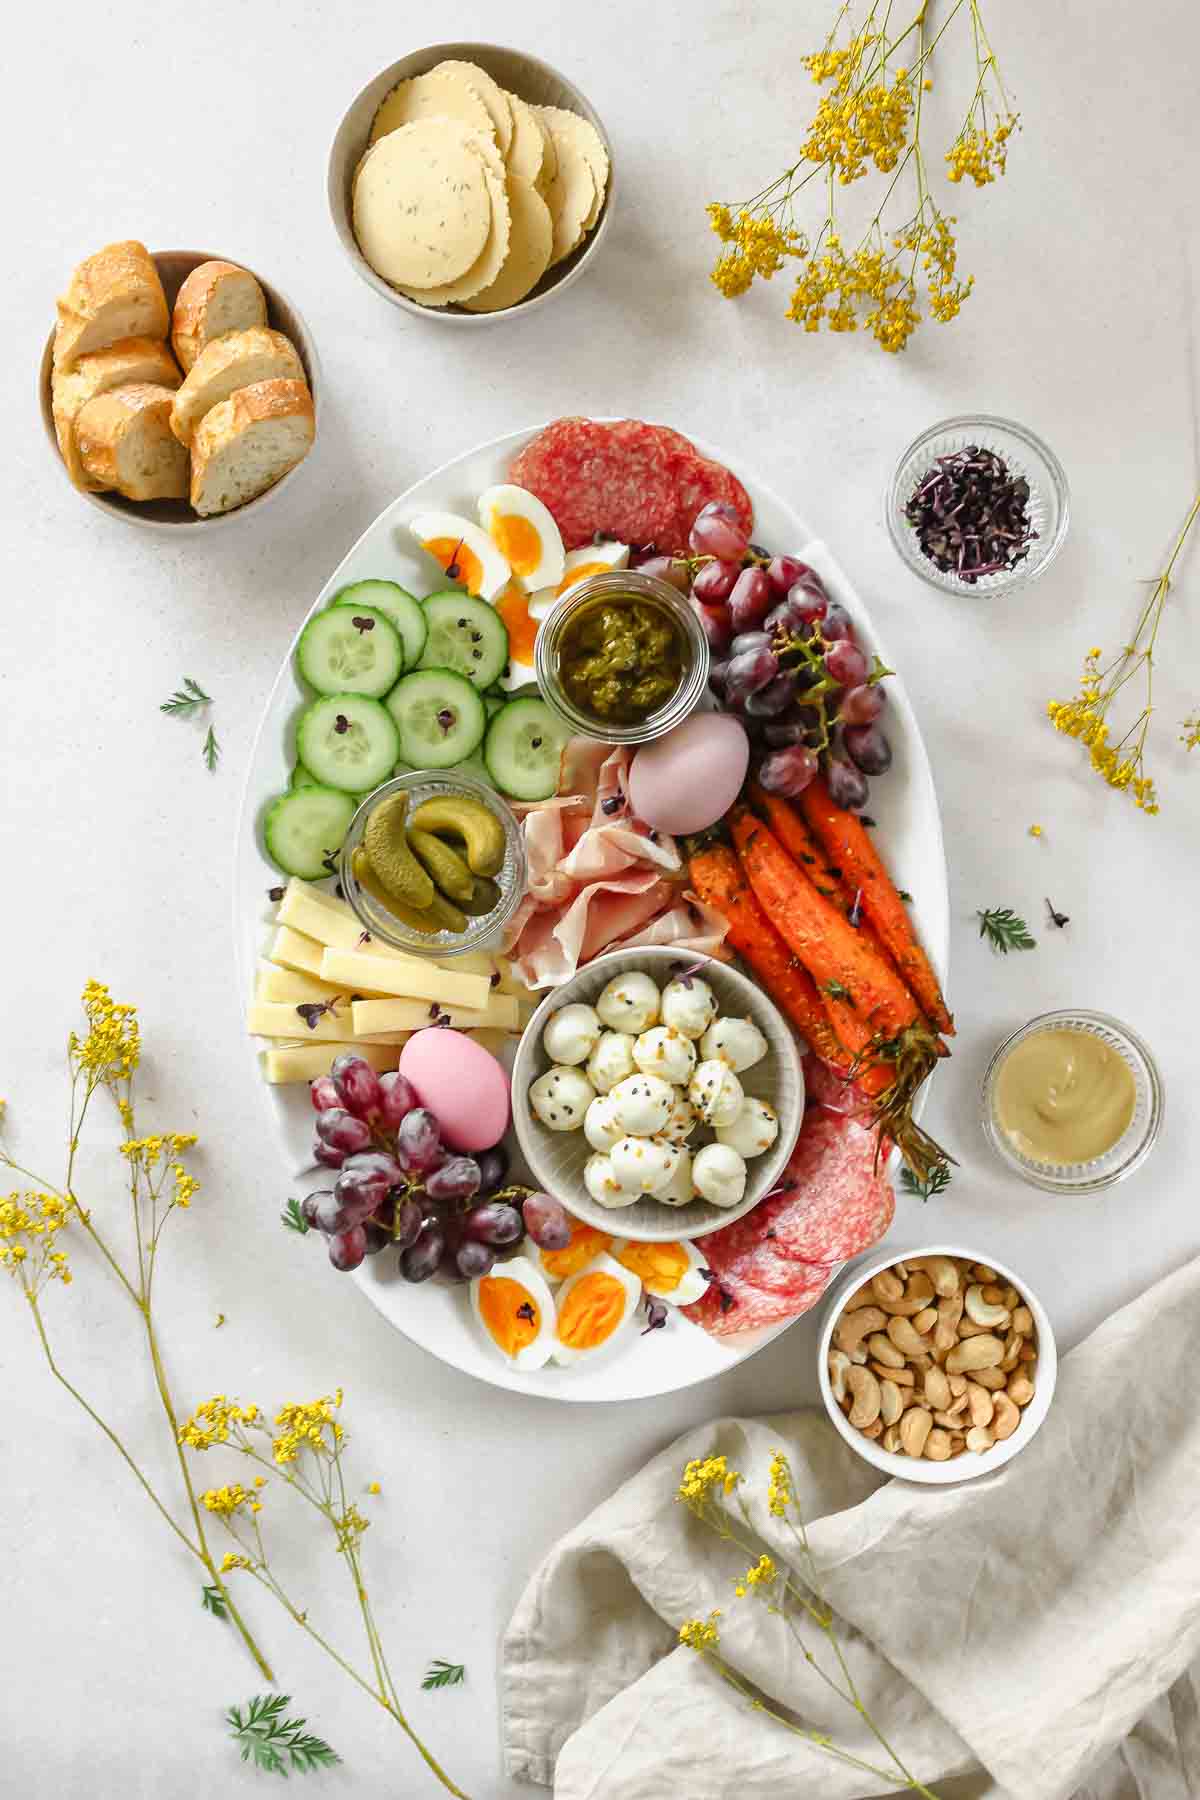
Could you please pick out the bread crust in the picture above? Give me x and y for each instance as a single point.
(190, 320)
(104, 425)
(113, 294)
(136, 359)
(222, 366)
(230, 419)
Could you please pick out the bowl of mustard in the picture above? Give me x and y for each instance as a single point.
(1072, 1102)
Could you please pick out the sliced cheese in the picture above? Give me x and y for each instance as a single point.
(274, 983)
(373, 1016)
(336, 927)
(268, 1018)
(358, 969)
(293, 950)
(305, 1062)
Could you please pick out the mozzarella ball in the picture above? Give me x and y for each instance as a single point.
(689, 1006)
(679, 1190)
(737, 1042)
(753, 1130)
(682, 1122)
(716, 1093)
(601, 1127)
(645, 1163)
(571, 1034)
(561, 1097)
(644, 1104)
(611, 1061)
(665, 1052)
(719, 1174)
(629, 1003)
(602, 1184)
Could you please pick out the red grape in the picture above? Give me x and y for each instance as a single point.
(783, 572)
(749, 672)
(329, 1215)
(862, 705)
(323, 1092)
(494, 1223)
(836, 623)
(493, 1167)
(378, 1236)
(342, 1131)
(807, 605)
(715, 623)
(847, 787)
(418, 1142)
(869, 748)
(358, 1085)
(750, 601)
(788, 772)
(667, 568)
(472, 1260)
(407, 1222)
(420, 1260)
(750, 640)
(364, 1182)
(347, 1248)
(327, 1156)
(780, 733)
(846, 664)
(399, 1097)
(717, 531)
(457, 1179)
(714, 581)
(775, 698)
(546, 1221)
(310, 1204)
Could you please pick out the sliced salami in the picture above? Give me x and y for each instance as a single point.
(768, 1268)
(837, 1204)
(732, 1305)
(825, 1087)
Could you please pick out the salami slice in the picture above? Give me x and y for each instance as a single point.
(824, 1086)
(768, 1268)
(743, 1308)
(837, 1205)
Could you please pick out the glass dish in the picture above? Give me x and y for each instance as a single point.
(612, 585)
(1132, 1147)
(1025, 454)
(432, 784)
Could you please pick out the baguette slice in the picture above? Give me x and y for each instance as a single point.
(237, 360)
(245, 444)
(112, 295)
(132, 360)
(216, 298)
(125, 442)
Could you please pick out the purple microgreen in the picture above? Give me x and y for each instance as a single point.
(683, 972)
(446, 719)
(614, 803)
(364, 937)
(341, 724)
(1057, 918)
(329, 862)
(360, 624)
(452, 569)
(856, 909)
(311, 1010)
(656, 1315)
(276, 893)
(971, 515)
(726, 1298)
(525, 1311)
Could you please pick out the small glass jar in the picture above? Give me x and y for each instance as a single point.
(1131, 1148)
(615, 585)
(1025, 455)
(430, 784)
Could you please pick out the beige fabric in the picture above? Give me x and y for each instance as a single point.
(1033, 1635)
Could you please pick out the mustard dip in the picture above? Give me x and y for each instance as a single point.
(1064, 1097)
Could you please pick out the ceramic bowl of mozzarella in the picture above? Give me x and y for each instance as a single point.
(657, 1094)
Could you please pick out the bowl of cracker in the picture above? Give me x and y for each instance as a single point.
(468, 181)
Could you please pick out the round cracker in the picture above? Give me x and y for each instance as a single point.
(590, 144)
(491, 260)
(549, 153)
(422, 208)
(490, 92)
(527, 151)
(432, 96)
(529, 249)
(571, 195)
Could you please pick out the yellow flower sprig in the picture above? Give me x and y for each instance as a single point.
(869, 119)
(1086, 717)
(305, 1443)
(705, 1488)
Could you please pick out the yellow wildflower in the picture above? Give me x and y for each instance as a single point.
(982, 155)
(350, 1527)
(112, 1048)
(304, 1425)
(1035, 831)
(703, 1475)
(780, 1491)
(759, 244)
(373, 1487)
(185, 1185)
(701, 1634)
(232, 1561)
(210, 1423)
(1189, 737)
(226, 1501)
(37, 1218)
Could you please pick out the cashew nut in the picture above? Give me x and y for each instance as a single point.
(839, 1367)
(891, 1440)
(937, 1388)
(1028, 1353)
(958, 1443)
(958, 1384)
(979, 1439)
(858, 1354)
(863, 1296)
(922, 1362)
(984, 1272)
(874, 1429)
(903, 1377)
(915, 1428)
(992, 1379)
(905, 1338)
(884, 1351)
(853, 1327)
(1011, 1298)
(918, 1292)
(1020, 1389)
(950, 1311)
(891, 1402)
(968, 1328)
(980, 1404)
(1007, 1418)
(994, 1295)
(1012, 1350)
(887, 1286)
(867, 1399)
(950, 1421)
(937, 1445)
(941, 1271)
(972, 1353)
(982, 1311)
(925, 1320)
(1022, 1320)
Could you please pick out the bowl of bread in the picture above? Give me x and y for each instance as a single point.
(467, 182)
(178, 389)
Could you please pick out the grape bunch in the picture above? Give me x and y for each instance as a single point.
(784, 658)
(398, 1184)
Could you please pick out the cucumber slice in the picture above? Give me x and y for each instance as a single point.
(440, 717)
(397, 604)
(351, 650)
(305, 828)
(522, 750)
(348, 742)
(465, 635)
(300, 778)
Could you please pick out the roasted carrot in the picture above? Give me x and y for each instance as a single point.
(720, 881)
(848, 845)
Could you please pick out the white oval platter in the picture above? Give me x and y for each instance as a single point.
(909, 834)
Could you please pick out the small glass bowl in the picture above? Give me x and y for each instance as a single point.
(432, 784)
(615, 584)
(1025, 454)
(1132, 1147)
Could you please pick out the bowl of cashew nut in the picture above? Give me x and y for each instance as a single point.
(937, 1365)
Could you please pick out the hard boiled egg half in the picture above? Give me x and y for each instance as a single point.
(590, 559)
(559, 1265)
(464, 551)
(671, 1271)
(524, 612)
(524, 532)
(595, 1308)
(515, 1311)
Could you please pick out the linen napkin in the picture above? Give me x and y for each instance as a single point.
(1032, 1634)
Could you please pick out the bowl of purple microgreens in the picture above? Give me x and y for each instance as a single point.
(978, 505)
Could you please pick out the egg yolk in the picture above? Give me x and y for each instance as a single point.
(522, 628)
(581, 573)
(660, 1267)
(517, 541)
(509, 1312)
(586, 1242)
(591, 1312)
(452, 553)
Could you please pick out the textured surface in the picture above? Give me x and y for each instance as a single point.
(119, 841)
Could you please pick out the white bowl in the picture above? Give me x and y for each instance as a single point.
(527, 77)
(556, 1158)
(968, 1466)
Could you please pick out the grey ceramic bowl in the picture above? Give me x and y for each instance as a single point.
(174, 267)
(527, 77)
(556, 1158)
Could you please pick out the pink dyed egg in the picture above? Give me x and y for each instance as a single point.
(461, 1084)
(688, 779)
